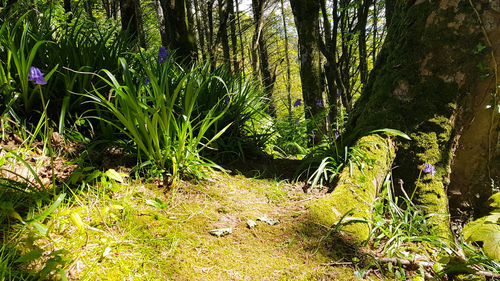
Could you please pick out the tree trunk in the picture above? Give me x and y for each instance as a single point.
(427, 84)
(201, 30)
(234, 40)
(179, 36)
(161, 23)
(129, 19)
(242, 49)
(287, 61)
(223, 17)
(363, 10)
(306, 15)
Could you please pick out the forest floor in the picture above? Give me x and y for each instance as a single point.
(122, 229)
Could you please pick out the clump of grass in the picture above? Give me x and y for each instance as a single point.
(157, 112)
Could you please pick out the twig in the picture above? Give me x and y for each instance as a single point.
(425, 264)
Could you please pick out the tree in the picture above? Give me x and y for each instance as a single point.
(131, 19)
(306, 13)
(177, 28)
(260, 55)
(427, 83)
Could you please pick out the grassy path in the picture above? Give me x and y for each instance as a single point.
(139, 232)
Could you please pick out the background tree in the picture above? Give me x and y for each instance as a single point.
(306, 15)
(177, 28)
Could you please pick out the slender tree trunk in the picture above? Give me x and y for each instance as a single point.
(106, 5)
(179, 37)
(426, 83)
(258, 17)
(287, 61)
(241, 38)
(201, 30)
(161, 23)
(306, 15)
(130, 19)
(363, 10)
(234, 40)
(223, 17)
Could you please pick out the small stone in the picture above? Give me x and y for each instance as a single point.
(269, 221)
(251, 224)
(221, 231)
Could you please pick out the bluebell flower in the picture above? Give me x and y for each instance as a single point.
(340, 92)
(320, 103)
(298, 102)
(148, 82)
(228, 99)
(297, 123)
(37, 76)
(336, 134)
(429, 169)
(313, 135)
(162, 55)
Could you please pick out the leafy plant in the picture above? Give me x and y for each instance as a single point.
(159, 115)
(486, 230)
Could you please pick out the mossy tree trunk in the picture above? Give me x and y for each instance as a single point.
(179, 35)
(306, 13)
(433, 80)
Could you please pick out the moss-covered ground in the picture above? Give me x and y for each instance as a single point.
(135, 231)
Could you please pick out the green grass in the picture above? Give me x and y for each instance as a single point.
(123, 236)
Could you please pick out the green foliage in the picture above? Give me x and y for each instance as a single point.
(251, 125)
(396, 224)
(17, 56)
(160, 116)
(486, 230)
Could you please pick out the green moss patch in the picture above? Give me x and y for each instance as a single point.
(357, 188)
(140, 232)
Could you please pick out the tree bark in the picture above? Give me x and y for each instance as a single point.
(363, 10)
(179, 36)
(287, 61)
(306, 15)
(234, 40)
(426, 84)
(129, 19)
(161, 23)
(223, 17)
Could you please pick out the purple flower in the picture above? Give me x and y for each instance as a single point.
(37, 76)
(429, 169)
(162, 55)
(298, 102)
(313, 135)
(336, 134)
(228, 99)
(340, 92)
(148, 82)
(297, 123)
(320, 103)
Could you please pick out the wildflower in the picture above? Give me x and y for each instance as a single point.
(162, 55)
(336, 134)
(320, 103)
(297, 123)
(148, 81)
(298, 102)
(313, 135)
(228, 99)
(429, 169)
(37, 76)
(340, 92)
